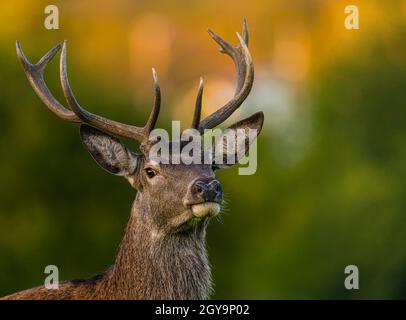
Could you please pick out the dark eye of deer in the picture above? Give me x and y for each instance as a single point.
(150, 173)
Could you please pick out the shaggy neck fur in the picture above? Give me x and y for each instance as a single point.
(157, 265)
(150, 264)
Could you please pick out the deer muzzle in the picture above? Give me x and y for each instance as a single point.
(204, 197)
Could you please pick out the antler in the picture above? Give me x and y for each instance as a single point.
(239, 53)
(35, 75)
(198, 107)
(245, 71)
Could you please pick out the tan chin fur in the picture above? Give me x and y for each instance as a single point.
(204, 209)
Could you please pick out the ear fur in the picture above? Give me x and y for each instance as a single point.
(234, 143)
(109, 152)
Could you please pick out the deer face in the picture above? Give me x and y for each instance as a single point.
(176, 196)
(172, 194)
(179, 195)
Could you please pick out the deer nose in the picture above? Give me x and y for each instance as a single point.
(207, 190)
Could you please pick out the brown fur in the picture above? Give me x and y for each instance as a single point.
(148, 266)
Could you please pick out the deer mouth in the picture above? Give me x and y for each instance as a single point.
(204, 209)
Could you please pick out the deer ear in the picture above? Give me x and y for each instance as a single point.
(235, 142)
(109, 152)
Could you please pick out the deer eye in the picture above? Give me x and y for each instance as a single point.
(150, 172)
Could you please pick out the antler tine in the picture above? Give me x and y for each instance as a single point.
(35, 75)
(153, 117)
(138, 133)
(245, 71)
(198, 106)
(245, 35)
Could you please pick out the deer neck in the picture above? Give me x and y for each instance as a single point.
(156, 265)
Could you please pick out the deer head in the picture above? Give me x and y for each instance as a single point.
(162, 255)
(173, 194)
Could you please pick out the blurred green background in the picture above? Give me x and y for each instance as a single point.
(330, 187)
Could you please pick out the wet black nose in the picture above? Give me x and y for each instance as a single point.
(207, 190)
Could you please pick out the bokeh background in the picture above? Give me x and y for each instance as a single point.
(330, 187)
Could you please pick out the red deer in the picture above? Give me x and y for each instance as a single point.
(163, 253)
